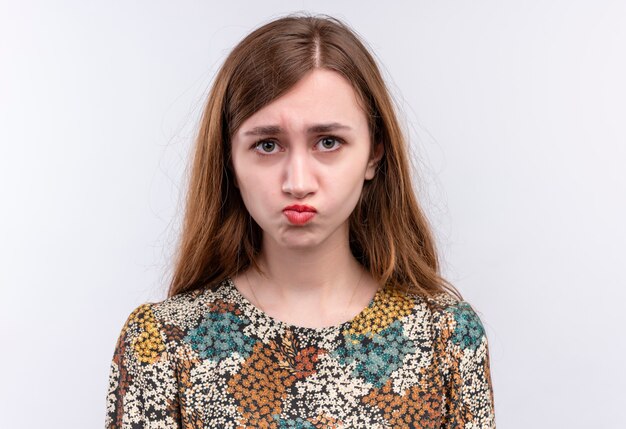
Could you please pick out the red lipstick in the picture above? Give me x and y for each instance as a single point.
(299, 214)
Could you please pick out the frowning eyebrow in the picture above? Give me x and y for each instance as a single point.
(275, 129)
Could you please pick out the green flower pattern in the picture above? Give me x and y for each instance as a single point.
(468, 330)
(219, 335)
(297, 423)
(377, 356)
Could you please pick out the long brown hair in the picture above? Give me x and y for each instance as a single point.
(389, 234)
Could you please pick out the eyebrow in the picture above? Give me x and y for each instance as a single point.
(275, 129)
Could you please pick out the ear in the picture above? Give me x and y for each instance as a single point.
(379, 150)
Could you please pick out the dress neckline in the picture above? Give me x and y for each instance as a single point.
(270, 320)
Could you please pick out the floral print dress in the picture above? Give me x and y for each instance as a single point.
(209, 358)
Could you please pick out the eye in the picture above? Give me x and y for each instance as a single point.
(264, 146)
(329, 142)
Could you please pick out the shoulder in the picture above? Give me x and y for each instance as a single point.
(453, 320)
(186, 309)
(143, 377)
(458, 324)
(153, 327)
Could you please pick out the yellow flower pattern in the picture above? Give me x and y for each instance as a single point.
(388, 305)
(148, 345)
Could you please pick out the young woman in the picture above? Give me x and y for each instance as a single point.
(306, 292)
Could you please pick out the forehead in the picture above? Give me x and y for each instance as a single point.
(321, 96)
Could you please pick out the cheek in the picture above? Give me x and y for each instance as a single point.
(344, 189)
(248, 188)
(256, 193)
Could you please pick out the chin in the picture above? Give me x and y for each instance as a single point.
(304, 241)
(295, 238)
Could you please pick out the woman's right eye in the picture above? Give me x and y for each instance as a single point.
(264, 146)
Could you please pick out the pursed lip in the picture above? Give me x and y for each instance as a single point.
(300, 208)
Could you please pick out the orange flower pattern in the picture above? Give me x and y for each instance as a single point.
(210, 359)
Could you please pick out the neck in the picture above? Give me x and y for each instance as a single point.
(317, 286)
(326, 271)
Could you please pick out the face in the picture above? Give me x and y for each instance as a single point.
(310, 147)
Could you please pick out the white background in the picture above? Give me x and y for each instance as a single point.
(516, 113)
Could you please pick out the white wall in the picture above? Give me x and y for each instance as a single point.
(516, 111)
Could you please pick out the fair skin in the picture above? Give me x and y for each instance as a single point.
(311, 272)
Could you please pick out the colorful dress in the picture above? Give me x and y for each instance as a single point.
(209, 358)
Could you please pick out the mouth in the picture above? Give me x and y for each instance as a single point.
(299, 214)
(300, 208)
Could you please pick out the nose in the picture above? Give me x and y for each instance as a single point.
(299, 177)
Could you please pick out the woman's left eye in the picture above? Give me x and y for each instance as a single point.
(331, 140)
